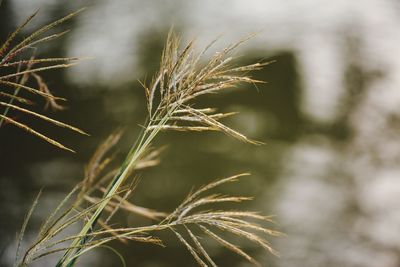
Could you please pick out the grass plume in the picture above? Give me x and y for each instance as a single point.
(16, 72)
(171, 96)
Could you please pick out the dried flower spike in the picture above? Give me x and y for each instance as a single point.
(17, 71)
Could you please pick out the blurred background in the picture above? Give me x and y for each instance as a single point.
(330, 115)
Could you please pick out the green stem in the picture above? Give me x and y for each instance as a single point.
(70, 256)
(23, 80)
(8, 108)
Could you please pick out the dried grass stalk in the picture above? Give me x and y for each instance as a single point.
(16, 71)
(106, 190)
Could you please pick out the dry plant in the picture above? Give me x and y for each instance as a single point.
(105, 190)
(18, 65)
